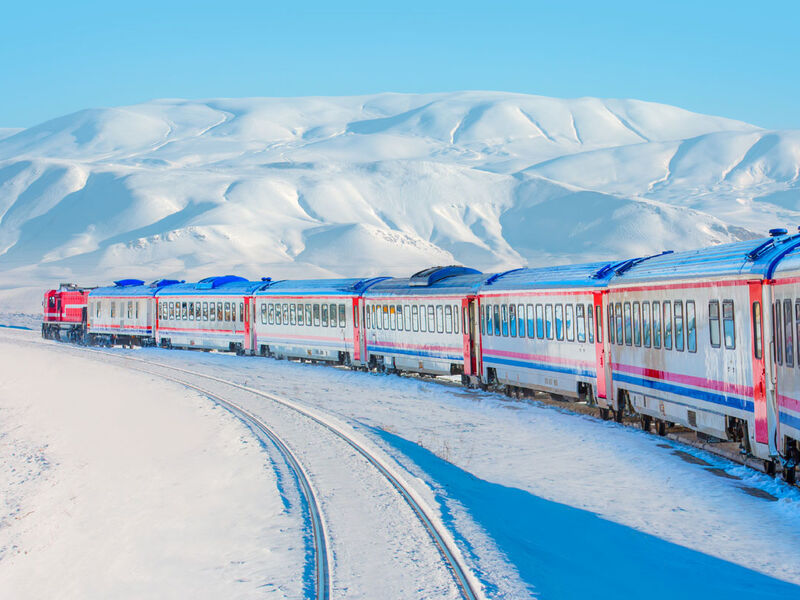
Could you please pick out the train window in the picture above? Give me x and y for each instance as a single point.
(667, 325)
(432, 325)
(194, 311)
(228, 312)
(797, 329)
(342, 316)
(368, 317)
(728, 324)
(656, 325)
(619, 323)
(130, 309)
(713, 324)
(315, 313)
(202, 311)
(691, 326)
(548, 321)
(678, 325)
(448, 319)
(113, 310)
(377, 319)
(637, 322)
(569, 322)
(407, 318)
(415, 317)
(611, 327)
(590, 324)
(185, 311)
(263, 313)
(559, 321)
(278, 315)
(400, 317)
(385, 316)
(628, 322)
(757, 330)
(521, 320)
(646, 331)
(332, 316)
(580, 321)
(241, 312)
(512, 320)
(355, 313)
(324, 315)
(170, 310)
(136, 309)
(497, 329)
(423, 318)
(392, 317)
(483, 320)
(300, 309)
(540, 321)
(776, 332)
(504, 319)
(285, 314)
(530, 319)
(219, 311)
(271, 314)
(456, 317)
(97, 308)
(293, 314)
(309, 315)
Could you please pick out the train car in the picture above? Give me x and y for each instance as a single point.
(65, 312)
(215, 313)
(687, 341)
(312, 319)
(542, 330)
(124, 313)
(785, 315)
(425, 323)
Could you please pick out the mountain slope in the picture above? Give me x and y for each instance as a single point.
(388, 183)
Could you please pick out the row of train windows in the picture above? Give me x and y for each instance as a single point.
(200, 311)
(316, 315)
(551, 321)
(786, 330)
(129, 309)
(433, 318)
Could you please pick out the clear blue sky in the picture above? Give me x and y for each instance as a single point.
(736, 59)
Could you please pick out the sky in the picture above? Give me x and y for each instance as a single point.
(735, 59)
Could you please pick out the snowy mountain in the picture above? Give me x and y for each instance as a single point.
(388, 183)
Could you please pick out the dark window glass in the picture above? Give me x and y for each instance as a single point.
(220, 314)
(797, 329)
(758, 329)
(713, 324)
(504, 318)
(637, 324)
(728, 324)
(191, 310)
(263, 313)
(611, 327)
(512, 320)
(309, 316)
(788, 332)
(691, 326)
(316, 315)
(497, 330)
(293, 314)
(285, 314)
(620, 328)
(679, 325)
(598, 323)
(540, 321)
(656, 325)
(628, 323)
(580, 322)
(569, 321)
(646, 324)
(776, 332)
(228, 312)
(667, 325)
(241, 312)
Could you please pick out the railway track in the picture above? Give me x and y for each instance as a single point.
(465, 582)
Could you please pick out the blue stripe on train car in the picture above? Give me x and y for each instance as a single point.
(705, 395)
(386, 350)
(539, 366)
(790, 420)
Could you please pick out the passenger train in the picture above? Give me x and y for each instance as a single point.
(708, 339)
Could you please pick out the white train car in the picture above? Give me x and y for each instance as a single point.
(785, 313)
(124, 313)
(542, 329)
(425, 323)
(215, 313)
(312, 319)
(687, 341)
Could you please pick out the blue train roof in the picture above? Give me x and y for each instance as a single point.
(591, 275)
(222, 285)
(433, 281)
(757, 257)
(134, 288)
(319, 287)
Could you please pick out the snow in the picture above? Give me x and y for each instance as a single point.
(380, 184)
(115, 484)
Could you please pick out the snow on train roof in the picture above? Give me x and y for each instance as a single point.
(594, 274)
(132, 288)
(436, 280)
(222, 285)
(752, 257)
(319, 287)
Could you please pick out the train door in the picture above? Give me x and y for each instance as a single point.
(358, 330)
(763, 369)
(248, 325)
(469, 334)
(602, 364)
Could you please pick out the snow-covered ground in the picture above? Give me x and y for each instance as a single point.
(388, 183)
(542, 502)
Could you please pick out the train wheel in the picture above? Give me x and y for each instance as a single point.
(604, 414)
(790, 475)
(646, 421)
(661, 427)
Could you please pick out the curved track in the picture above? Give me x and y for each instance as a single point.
(464, 580)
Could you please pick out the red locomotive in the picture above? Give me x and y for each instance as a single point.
(65, 312)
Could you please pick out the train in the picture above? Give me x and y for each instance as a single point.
(707, 339)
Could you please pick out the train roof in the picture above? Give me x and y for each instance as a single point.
(757, 257)
(429, 282)
(134, 288)
(591, 275)
(789, 263)
(319, 287)
(224, 285)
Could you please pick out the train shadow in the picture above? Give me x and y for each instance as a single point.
(562, 552)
